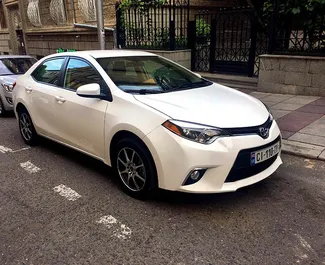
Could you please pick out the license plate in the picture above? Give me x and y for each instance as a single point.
(265, 154)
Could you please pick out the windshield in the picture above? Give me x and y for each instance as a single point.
(149, 74)
(15, 66)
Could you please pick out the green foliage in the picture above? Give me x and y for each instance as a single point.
(306, 15)
(203, 29)
(145, 36)
(141, 4)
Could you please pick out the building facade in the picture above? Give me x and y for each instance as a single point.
(41, 27)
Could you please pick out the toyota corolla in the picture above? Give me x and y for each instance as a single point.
(156, 123)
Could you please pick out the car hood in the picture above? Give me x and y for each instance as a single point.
(9, 79)
(214, 105)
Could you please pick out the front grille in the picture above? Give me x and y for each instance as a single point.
(250, 130)
(242, 167)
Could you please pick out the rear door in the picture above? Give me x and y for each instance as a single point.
(80, 121)
(41, 88)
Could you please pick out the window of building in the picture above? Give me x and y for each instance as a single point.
(80, 73)
(58, 12)
(87, 9)
(49, 71)
(3, 23)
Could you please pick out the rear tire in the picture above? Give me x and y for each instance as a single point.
(2, 109)
(135, 168)
(26, 127)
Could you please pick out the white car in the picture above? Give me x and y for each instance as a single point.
(157, 123)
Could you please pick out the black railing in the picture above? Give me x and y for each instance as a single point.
(226, 41)
(302, 33)
(153, 26)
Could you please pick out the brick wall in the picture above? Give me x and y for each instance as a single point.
(183, 57)
(46, 20)
(42, 45)
(4, 43)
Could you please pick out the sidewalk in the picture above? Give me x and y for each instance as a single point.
(301, 120)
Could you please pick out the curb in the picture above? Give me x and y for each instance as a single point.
(303, 150)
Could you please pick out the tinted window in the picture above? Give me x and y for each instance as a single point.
(49, 71)
(80, 73)
(15, 66)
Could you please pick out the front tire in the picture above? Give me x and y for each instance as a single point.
(135, 168)
(26, 127)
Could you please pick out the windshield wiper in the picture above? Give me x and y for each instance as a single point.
(189, 86)
(143, 91)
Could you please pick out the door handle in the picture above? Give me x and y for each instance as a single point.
(28, 89)
(59, 99)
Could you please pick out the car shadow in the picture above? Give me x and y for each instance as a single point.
(163, 197)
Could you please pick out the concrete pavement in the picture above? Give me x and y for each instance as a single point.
(301, 120)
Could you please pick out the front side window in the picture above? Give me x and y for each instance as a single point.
(49, 71)
(80, 73)
(15, 66)
(149, 74)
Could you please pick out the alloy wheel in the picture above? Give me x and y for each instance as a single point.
(131, 169)
(26, 128)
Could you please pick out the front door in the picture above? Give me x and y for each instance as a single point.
(80, 120)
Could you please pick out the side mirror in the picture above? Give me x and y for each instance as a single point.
(89, 91)
(198, 75)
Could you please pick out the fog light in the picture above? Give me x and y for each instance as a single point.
(9, 100)
(194, 176)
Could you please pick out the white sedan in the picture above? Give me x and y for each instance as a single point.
(156, 123)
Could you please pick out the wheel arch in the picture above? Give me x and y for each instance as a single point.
(122, 134)
(21, 106)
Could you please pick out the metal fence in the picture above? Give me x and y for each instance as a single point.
(153, 26)
(296, 34)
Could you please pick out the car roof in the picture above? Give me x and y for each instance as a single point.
(14, 56)
(107, 53)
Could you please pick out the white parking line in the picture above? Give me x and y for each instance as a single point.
(4, 149)
(67, 192)
(121, 231)
(19, 150)
(30, 167)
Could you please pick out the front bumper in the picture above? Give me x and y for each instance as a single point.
(6, 98)
(176, 157)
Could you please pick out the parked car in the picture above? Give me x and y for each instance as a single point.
(155, 122)
(11, 67)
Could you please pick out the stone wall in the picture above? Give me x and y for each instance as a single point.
(183, 57)
(298, 75)
(4, 42)
(42, 45)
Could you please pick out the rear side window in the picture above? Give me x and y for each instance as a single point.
(49, 71)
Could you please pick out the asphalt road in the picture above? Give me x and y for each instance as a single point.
(60, 207)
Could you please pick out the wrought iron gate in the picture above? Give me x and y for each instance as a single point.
(226, 42)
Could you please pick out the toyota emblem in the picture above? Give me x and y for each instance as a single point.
(264, 132)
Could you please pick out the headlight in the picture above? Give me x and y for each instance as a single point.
(7, 87)
(195, 132)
